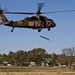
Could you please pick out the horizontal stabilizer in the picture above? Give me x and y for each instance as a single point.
(4, 23)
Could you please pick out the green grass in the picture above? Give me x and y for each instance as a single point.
(34, 69)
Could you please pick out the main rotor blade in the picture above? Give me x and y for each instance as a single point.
(3, 10)
(58, 11)
(40, 5)
(18, 13)
(38, 12)
(0, 7)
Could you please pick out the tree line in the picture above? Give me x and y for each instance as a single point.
(39, 55)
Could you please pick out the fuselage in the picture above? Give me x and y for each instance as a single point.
(33, 22)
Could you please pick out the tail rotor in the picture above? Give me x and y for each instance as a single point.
(3, 10)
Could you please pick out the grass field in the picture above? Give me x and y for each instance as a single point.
(36, 71)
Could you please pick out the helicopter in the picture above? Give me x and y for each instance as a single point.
(38, 22)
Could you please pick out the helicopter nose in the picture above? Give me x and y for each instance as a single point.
(54, 24)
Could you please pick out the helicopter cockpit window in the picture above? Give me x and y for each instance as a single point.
(52, 22)
(49, 22)
(34, 18)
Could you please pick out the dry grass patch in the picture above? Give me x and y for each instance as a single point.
(36, 71)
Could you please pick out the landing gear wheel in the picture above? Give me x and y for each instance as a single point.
(12, 30)
(39, 30)
(48, 29)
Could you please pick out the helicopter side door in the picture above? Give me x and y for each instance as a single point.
(34, 22)
(37, 23)
(31, 23)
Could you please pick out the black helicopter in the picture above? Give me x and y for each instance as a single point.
(35, 22)
(38, 22)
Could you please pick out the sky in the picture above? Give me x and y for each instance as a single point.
(62, 36)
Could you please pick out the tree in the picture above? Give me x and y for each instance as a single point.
(54, 58)
(5, 57)
(1, 59)
(20, 57)
(69, 53)
(37, 55)
(12, 57)
(62, 59)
